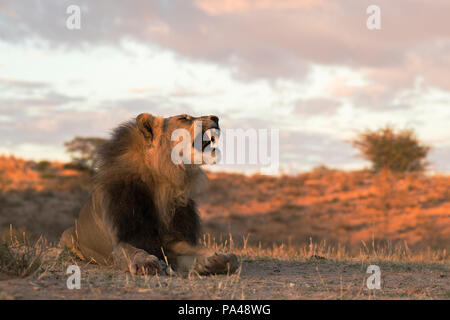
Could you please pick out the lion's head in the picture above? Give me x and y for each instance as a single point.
(190, 140)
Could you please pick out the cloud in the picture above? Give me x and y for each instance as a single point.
(314, 149)
(57, 127)
(14, 84)
(438, 159)
(155, 104)
(33, 111)
(382, 95)
(274, 46)
(239, 6)
(316, 106)
(49, 99)
(268, 39)
(45, 121)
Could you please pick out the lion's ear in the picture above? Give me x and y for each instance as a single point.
(144, 122)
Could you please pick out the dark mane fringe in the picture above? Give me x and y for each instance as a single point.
(117, 145)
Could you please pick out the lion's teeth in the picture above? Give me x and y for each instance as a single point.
(211, 135)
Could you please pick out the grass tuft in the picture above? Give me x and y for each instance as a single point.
(19, 257)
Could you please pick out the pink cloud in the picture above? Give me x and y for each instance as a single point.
(239, 6)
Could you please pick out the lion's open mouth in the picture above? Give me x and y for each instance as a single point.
(212, 139)
(211, 136)
(208, 139)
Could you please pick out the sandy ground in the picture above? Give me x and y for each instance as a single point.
(345, 209)
(258, 279)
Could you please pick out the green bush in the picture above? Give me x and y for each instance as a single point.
(397, 151)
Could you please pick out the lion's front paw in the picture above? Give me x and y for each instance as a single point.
(145, 264)
(217, 263)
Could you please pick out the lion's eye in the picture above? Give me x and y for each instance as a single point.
(184, 117)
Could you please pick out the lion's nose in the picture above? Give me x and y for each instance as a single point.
(215, 119)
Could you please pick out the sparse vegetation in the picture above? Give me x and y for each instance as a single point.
(43, 165)
(398, 151)
(82, 151)
(316, 270)
(18, 256)
(306, 236)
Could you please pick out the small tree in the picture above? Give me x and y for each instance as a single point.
(397, 151)
(82, 151)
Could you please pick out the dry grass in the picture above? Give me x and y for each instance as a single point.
(386, 252)
(316, 271)
(19, 256)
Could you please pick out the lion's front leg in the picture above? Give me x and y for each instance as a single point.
(186, 257)
(137, 261)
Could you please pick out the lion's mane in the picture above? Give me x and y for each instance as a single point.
(149, 192)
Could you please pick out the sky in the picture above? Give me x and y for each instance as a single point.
(311, 69)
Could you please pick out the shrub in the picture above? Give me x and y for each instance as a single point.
(398, 151)
(42, 165)
(83, 151)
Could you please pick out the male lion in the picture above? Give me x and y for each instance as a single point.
(141, 209)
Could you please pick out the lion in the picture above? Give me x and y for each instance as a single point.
(141, 211)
